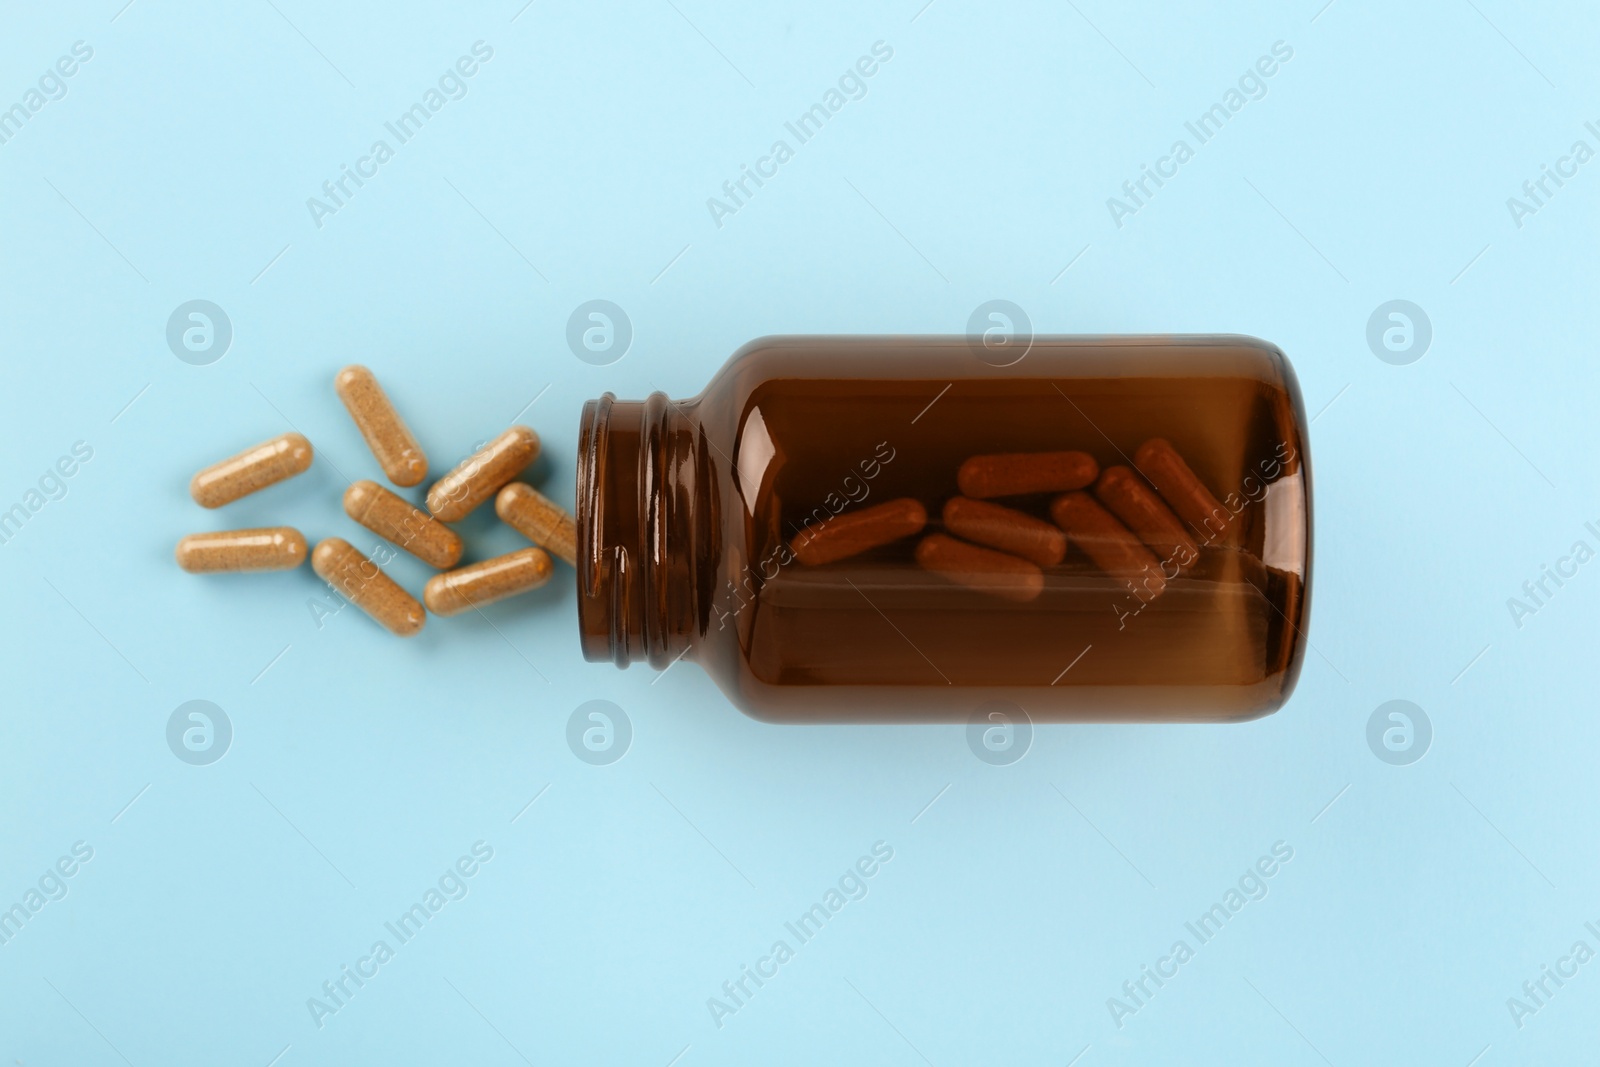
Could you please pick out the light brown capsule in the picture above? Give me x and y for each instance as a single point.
(398, 522)
(360, 581)
(1158, 461)
(270, 548)
(1127, 497)
(478, 476)
(381, 426)
(1113, 547)
(255, 468)
(854, 532)
(483, 583)
(1016, 473)
(539, 519)
(983, 569)
(1005, 528)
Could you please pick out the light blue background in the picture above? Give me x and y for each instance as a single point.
(977, 166)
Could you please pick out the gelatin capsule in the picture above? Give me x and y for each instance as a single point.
(1127, 497)
(853, 532)
(997, 573)
(270, 548)
(1017, 473)
(364, 584)
(398, 522)
(255, 468)
(385, 432)
(1113, 547)
(1005, 528)
(483, 583)
(1158, 461)
(481, 474)
(539, 519)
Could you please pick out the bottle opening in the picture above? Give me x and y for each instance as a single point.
(637, 471)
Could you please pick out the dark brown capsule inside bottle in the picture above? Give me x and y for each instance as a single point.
(734, 529)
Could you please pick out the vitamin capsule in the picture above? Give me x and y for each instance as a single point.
(380, 424)
(255, 468)
(478, 476)
(396, 521)
(983, 569)
(1007, 529)
(1158, 461)
(1112, 546)
(271, 548)
(1127, 497)
(483, 583)
(1015, 473)
(539, 519)
(854, 532)
(360, 581)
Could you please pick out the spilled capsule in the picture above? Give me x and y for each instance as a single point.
(539, 519)
(483, 583)
(396, 521)
(385, 432)
(270, 548)
(254, 469)
(363, 583)
(477, 477)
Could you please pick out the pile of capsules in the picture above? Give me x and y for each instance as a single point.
(1127, 523)
(487, 472)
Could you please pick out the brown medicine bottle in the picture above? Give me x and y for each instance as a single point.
(894, 528)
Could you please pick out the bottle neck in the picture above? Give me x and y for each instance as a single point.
(646, 529)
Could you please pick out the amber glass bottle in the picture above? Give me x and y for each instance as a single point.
(894, 528)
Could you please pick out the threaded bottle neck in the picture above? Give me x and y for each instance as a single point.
(642, 520)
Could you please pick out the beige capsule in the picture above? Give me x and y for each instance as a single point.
(478, 476)
(364, 584)
(539, 519)
(270, 548)
(483, 583)
(255, 468)
(386, 433)
(398, 522)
